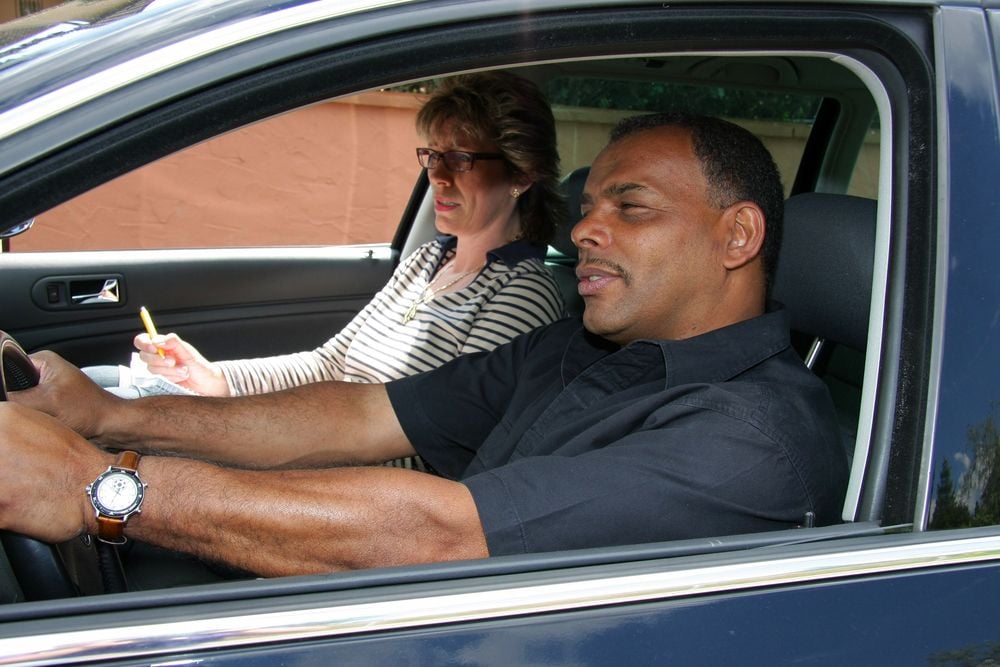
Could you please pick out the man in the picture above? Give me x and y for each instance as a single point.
(677, 410)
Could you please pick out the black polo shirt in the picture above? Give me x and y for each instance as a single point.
(566, 440)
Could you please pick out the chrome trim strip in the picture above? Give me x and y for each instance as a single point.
(160, 639)
(942, 261)
(79, 92)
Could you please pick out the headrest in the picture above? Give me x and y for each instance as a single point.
(825, 268)
(572, 189)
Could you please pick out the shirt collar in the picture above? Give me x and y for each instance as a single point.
(510, 254)
(715, 356)
(723, 354)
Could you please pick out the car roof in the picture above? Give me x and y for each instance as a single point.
(41, 52)
(38, 53)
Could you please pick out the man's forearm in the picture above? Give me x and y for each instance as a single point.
(306, 521)
(318, 424)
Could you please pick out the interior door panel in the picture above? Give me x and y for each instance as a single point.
(254, 302)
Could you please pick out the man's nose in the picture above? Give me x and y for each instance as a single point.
(590, 231)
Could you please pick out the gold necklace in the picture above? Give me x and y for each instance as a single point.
(428, 294)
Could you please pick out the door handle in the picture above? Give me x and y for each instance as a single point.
(107, 294)
(105, 290)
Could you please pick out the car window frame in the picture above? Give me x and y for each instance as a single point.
(376, 63)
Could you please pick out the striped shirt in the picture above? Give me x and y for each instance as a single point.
(514, 293)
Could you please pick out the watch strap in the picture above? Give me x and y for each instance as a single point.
(127, 460)
(112, 529)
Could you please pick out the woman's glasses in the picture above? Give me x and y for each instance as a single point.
(453, 160)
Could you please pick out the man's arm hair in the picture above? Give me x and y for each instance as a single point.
(321, 424)
(304, 516)
(306, 521)
(325, 423)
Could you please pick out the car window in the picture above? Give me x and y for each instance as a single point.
(334, 173)
(783, 120)
(340, 172)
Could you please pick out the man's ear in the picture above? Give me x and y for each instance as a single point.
(746, 229)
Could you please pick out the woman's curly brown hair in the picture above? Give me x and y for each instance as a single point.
(512, 113)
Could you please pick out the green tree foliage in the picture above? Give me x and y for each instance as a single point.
(973, 655)
(980, 482)
(948, 513)
(654, 96)
(985, 442)
(658, 96)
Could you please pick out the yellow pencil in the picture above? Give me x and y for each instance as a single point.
(147, 321)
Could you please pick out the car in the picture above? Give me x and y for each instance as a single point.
(883, 118)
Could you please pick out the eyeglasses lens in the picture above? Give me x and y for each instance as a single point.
(457, 161)
(453, 160)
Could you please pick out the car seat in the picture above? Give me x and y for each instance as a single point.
(824, 279)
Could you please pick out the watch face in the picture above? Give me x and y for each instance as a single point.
(117, 493)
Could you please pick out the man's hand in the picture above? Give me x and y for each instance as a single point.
(46, 468)
(181, 363)
(64, 392)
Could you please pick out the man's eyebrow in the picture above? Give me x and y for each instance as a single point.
(619, 189)
(616, 190)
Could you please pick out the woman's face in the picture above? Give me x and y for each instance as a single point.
(473, 201)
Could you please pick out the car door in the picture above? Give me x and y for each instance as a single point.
(266, 240)
(875, 589)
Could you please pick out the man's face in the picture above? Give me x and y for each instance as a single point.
(651, 247)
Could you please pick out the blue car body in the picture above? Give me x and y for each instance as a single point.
(896, 583)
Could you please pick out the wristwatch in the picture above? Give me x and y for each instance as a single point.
(116, 495)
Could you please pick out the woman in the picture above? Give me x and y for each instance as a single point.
(493, 167)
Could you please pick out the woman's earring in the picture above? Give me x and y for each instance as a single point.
(515, 193)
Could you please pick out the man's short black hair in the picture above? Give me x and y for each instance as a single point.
(736, 166)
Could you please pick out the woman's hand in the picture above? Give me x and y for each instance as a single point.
(181, 363)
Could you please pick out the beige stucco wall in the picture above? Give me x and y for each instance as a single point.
(338, 172)
(582, 133)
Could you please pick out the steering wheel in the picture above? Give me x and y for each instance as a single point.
(16, 370)
(37, 566)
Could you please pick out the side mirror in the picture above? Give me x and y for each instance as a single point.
(14, 230)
